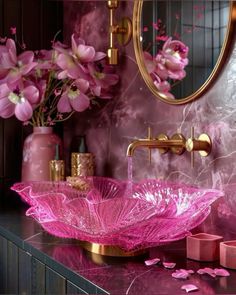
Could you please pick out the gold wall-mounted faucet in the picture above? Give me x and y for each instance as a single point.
(123, 31)
(176, 144)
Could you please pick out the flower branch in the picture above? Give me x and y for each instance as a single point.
(45, 87)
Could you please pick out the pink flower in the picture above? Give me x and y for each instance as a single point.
(44, 59)
(174, 54)
(149, 62)
(74, 98)
(101, 77)
(69, 68)
(71, 61)
(16, 66)
(83, 53)
(163, 87)
(17, 101)
(162, 38)
(33, 85)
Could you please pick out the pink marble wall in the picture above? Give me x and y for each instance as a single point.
(134, 108)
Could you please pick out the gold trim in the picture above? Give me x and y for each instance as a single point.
(138, 4)
(108, 250)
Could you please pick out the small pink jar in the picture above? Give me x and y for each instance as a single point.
(228, 254)
(203, 247)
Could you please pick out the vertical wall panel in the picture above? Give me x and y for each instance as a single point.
(1, 17)
(3, 265)
(31, 18)
(52, 16)
(12, 268)
(55, 283)
(38, 277)
(24, 272)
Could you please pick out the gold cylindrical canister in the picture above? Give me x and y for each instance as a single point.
(57, 170)
(82, 164)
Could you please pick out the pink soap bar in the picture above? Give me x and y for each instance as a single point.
(203, 247)
(228, 254)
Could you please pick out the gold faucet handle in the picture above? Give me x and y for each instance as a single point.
(202, 144)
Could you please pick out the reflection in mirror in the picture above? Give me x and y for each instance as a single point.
(181, 44)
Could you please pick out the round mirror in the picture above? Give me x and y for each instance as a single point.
(181, 46)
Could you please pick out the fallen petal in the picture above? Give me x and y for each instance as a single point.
(221, 272)
(200, 271)
(169, 265)
(152, 261)
(190, 271)
(180, 274)
(207, 270)
(189, 288)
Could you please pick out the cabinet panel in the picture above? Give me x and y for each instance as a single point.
(24, 272)
(55, 283)
(38, 277)
(73, 289)
(12, 268)
(3, 265)
(1, 139)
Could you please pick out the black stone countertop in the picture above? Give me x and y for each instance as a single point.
(97, 274)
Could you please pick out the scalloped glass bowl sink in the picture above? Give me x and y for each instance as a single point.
(112, 212)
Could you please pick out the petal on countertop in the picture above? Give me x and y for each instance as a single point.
(180, 274)
(169, 265)
(152, 261)
(221, 272)
(189, 288)
(207, 270)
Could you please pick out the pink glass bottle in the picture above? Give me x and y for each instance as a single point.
(39, 148)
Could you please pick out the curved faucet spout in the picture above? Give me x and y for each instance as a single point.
(154, 143)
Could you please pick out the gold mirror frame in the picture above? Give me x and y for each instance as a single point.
(224, 53)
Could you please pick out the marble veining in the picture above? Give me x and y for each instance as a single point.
(115, 276)
(109, 130)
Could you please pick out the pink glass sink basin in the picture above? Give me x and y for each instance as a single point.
(112, 212)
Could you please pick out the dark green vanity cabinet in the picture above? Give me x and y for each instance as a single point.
(22, 273)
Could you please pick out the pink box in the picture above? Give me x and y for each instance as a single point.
(203, 247)
(228, 254)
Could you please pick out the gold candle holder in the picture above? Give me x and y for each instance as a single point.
(57, 170)
(82, 164)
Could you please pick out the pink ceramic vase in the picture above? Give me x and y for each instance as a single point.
(39, 148)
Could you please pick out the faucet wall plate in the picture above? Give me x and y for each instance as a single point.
(178, 150)
(163, 137)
